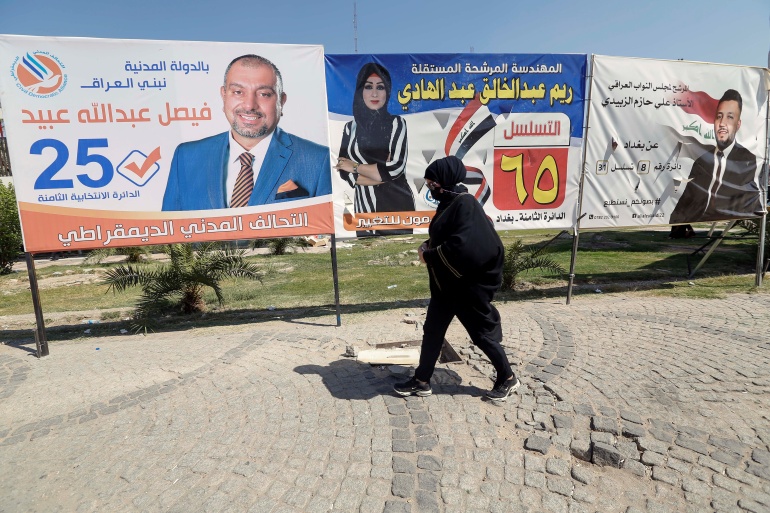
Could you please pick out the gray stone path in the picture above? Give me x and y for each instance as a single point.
(628, 404)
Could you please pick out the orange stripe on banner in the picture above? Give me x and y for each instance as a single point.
(387, 220)
(60, 228)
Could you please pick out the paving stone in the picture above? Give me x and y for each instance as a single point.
(537, 443)
(633, 430)
(761, 471)
(397, 507)
(729, 445)
(584, 494)
(584, 409)
(534, 462)
(637, 468)
(557, 466)
(628, 449)
(692, 444)
(583, 474)
(534, 479)
(683, 454)
(581, 449)
(562, 421)
(663, 436)
(605, 425)
(752, 506)
(756, 495)
(404, 465)
(761, 456)
(631, 417)
(667, 476)
(403, 485)
(605, 438)
(648, 443)
(427, 502)
(555, 503)
(428, 462)
(743, 477)
(729, 459)
(606, 455)
(680, 466)
(712, 464)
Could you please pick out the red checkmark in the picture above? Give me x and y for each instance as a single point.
(151, 160)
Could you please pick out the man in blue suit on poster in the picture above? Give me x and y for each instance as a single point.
(255, 163)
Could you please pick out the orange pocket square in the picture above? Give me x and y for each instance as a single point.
(287, 187)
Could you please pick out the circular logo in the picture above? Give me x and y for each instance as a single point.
(40, 74)
(429, 199)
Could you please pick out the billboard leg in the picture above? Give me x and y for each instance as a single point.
(572, 259)
(40, 340)
(336, 280)
(761, 250)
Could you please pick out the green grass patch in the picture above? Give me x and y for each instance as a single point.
(381, 273)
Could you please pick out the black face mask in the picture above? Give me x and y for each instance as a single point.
(440, 194)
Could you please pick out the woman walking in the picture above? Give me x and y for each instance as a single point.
(465, 257)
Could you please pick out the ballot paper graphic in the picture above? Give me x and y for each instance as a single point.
(139, 168)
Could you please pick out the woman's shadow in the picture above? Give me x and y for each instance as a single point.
(349, 379)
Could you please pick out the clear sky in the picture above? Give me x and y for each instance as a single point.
(730, 32)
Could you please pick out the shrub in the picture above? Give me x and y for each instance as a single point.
(133, 254)
(519, 259)
(10, 228)
(280, 246)
(179, 284)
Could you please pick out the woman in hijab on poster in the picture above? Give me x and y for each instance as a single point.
(372, 157)
(465, 257)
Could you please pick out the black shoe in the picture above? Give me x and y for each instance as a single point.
(501, 391)
(413, 387)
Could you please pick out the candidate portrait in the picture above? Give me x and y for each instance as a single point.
(723, 183)
(255, 162)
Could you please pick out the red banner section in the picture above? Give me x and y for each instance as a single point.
(529, 178)
(49, 228)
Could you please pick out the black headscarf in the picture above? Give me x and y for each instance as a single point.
(449, 172)
(374, 126)
(465, 253)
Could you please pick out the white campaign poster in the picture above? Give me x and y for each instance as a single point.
(125, 142)
(674, 142)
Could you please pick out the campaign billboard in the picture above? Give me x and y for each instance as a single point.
(674, 142)
(130, 142)
(515, 120)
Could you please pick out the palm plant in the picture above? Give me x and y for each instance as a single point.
(279, 246)
(180, 283)
(519, 259)
(133, 254)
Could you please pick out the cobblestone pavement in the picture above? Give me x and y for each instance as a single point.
(629, 404)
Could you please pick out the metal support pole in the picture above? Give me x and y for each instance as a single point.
(714, 246)
(761, 250)
(579, 213)
(336, 280)
(572, 259)
(40, 340)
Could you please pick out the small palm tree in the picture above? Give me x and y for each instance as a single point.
(180, 283)
(519, 259)
(133, 254)
(279, 246)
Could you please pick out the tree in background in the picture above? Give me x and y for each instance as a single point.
(10, 228)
